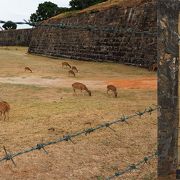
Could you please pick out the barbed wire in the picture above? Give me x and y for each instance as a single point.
(20, 23)
(68, 137)
(109, 29)
(90, 28)
(132, 167)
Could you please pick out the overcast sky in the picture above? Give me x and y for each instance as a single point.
(18, 10)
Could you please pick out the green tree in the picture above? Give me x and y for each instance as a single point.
(9, 25)
(45, 10)
(81, 4)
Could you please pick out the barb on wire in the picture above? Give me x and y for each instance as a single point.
(65, 138)
(132, 167)
(109, 29)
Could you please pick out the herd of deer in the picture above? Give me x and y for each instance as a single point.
(5, 107)
(81, 86)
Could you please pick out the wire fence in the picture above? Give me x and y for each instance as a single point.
(133, 167)
(109, 29)
(68, 137)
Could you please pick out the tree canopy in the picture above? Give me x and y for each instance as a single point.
(9, 25)
(46, 10)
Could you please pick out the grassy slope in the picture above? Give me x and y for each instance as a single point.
(99, 7)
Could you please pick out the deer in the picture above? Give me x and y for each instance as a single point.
(28, 69)
(153, 67)
(4, 109)
(66, 64)
(74, 69)
(113, 89)
(71, 72)
(81, 87)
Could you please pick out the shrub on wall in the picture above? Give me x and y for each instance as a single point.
(81, 4)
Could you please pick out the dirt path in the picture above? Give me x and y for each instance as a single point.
(140, 83)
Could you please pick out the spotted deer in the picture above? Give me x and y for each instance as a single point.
(74, 69)
(28, 69)
(4, 109)
(113, 89)
(81, 87)
(65, 64)
(71, 72)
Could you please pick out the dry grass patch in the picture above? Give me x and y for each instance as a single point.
(35, 109)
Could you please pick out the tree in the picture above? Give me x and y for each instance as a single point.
(45, 10)
(81, 4)
(9, 25)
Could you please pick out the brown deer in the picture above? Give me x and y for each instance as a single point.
(81, 87)
(71, 72)
(65, 64)
(113, 89)
(153, 67)
(28, 69)
(4, 109)
(74, 69)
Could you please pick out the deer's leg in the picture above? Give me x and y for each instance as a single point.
(74, 92)
(107, 91)
(7, 113)
(4, 116)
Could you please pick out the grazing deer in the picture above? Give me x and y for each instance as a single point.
(74, 69)
(80, 86)
(4, 109)
(71, 72)
(65, 64)
(27, 69)
(153, 67)
(113, 89)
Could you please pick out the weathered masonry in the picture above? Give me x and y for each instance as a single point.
(119, 34)
(20, 37)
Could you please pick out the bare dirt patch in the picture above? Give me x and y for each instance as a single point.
(140, 83)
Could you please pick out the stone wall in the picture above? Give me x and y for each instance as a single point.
(19, 37)
(104, 35)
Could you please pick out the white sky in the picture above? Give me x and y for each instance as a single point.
(18, 10)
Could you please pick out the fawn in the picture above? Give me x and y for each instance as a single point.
(65, 64)
(74, 69)
(71, 72)
(4, 109)
(27, 69)
(113, 89)
(80, 86)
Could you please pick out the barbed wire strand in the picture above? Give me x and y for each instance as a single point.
(132, 167)
(109, 29)
(68, 137)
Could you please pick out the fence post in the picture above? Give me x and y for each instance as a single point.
(168, 67)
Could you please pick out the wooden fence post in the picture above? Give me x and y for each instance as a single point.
(168, 67)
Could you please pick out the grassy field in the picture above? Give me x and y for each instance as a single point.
(44, 99)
